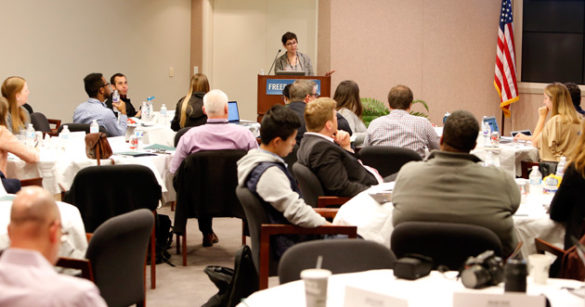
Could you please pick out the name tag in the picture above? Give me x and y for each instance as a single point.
(466, 299)
(364, 298)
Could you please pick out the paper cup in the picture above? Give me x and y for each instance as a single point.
(539, 265)
(316, 286)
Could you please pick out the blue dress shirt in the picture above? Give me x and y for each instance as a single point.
(92, 109)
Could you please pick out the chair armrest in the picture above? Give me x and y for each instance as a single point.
(543, 246)
(267, 230)
(57, 123)
(32, 182)
(331, 201)
(328, 213)
(79, 264)
(526, 166)
(88, 236)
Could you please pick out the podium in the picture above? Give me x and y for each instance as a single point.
(270, 90)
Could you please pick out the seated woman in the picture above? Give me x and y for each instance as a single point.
(555, 138)
(189, 109)
(9, 143)
(15, 90)
(349, 105)
(568, 204)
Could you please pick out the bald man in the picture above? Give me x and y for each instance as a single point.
(27, 275)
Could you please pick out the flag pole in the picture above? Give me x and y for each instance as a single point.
(503, 121)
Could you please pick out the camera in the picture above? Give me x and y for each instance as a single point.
(484, 270)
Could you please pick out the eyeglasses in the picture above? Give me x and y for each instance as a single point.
(291, 43)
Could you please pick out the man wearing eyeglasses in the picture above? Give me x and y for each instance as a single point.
(27, 276)
(94, 108)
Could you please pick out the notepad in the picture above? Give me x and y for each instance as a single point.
(160, 147)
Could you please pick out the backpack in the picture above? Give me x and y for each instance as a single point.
(233, 284)
(164, 238)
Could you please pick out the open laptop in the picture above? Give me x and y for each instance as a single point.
(234, 114)
(491, 120)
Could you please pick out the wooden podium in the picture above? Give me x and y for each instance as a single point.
(267, 100)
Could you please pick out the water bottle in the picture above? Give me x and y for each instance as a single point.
(485, 133)
(145, 115)
(94, 127)
(149, 102)
(163, 115)
(30, 136)
(64, 137)
(535, 179)
(115, 99)
(561, 167)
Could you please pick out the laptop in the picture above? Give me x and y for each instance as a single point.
(491, 120)
(233, 112)
(289, 73)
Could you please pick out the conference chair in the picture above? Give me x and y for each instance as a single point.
(387, 159)
(38, 181)
(102, 192)
(180, 133)
(41, 123)
(205, 184)
(449, 244)
(115, 258)
(80, 127)
(339, 256)
(261, 230)
(568, 265)
(312, 190)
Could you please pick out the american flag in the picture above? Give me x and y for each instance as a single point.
(505, 78)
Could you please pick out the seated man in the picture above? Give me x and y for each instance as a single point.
(452, 187)
(216, 134)
(401, 129)
(264, 172)
(94, 108)
(327, 152)
(120, 83)
(27, 275)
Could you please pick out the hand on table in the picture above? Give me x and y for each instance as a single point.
(522, 136)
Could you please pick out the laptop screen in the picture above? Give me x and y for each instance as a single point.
(233, 112)
(491, 120)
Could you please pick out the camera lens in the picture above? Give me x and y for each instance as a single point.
(515, 276)
(475, 277)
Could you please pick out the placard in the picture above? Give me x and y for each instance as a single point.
(364, 298)
(478, 299)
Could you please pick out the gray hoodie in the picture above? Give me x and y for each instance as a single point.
(274, 188)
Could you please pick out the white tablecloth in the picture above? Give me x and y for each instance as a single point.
(74, 244)
(510, 156)
(374, 221)
(59, 164)
(434, 290)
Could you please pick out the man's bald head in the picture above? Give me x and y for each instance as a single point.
(35, 222)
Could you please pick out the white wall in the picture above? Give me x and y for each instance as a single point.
(245, 38)
(54, 44)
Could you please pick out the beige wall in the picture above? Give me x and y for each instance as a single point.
(443, 49)
(245, 38)
(54, 44)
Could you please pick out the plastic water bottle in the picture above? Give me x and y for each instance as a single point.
(64, 137)
(485, 133)
(163, 114)
(149, 102)
(561, 167)
(30, 136)
(535, 180)
(145, 115)
(115, 99)
(94, 127)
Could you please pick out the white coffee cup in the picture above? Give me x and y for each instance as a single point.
(316, 286)
(539, 265)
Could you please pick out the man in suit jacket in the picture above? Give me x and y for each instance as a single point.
(328, 153)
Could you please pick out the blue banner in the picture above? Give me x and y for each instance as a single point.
(275, 86)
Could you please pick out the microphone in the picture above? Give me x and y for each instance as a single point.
(274, 62)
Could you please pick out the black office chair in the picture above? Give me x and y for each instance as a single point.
(115, 258)
(339, 256)
(312, 190)
(449, 244)
(102, 192)
(180, 133)
(80, 127)
(205, 184)
(261, 231)
(41, 123)
(387, 159)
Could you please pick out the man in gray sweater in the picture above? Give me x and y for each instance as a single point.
(450, 186)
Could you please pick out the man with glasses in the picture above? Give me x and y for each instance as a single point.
(94, 108)
(27, 275)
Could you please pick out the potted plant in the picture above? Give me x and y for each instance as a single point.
(373, 108)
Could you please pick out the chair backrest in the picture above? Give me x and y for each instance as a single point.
(387, 159)
(339, 256)
(116, 252)
(206, 182)
(80, 127)
(180, 133)
(449, 244)
(255, 217)
(101, 192)
(40, 122)
(308, 183)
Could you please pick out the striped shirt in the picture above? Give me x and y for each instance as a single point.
(401, 129)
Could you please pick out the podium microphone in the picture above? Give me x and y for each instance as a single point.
(274, 62)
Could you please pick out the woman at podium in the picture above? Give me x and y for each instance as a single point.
(293, 60)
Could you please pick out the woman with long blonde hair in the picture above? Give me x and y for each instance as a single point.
(556, 137)
(189, 109)
(15, 90)
(568, 204)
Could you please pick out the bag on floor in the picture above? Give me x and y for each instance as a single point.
(164, 238)
(236, 284)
